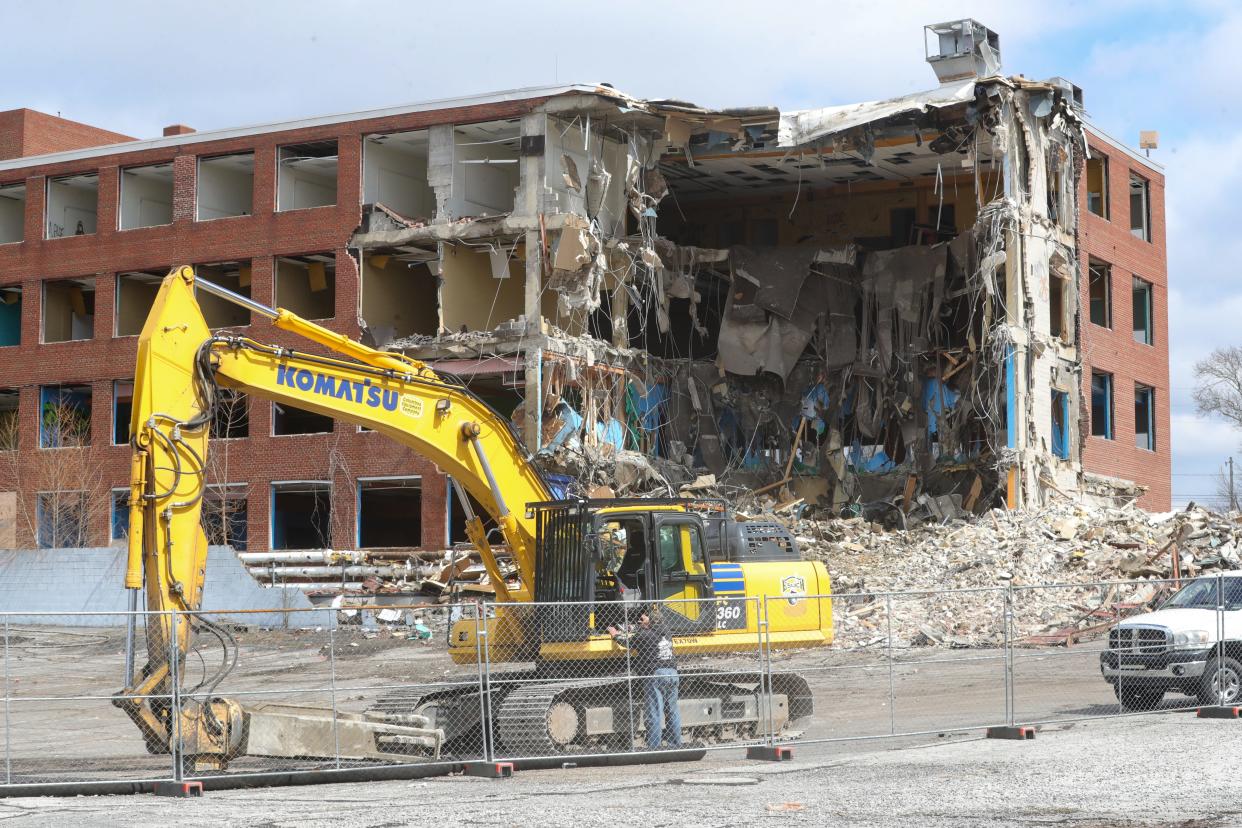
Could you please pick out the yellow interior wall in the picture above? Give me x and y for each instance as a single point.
(470, 296)
(400, 297)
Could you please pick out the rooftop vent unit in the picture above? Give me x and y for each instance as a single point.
(962, 49)
(1071, 91)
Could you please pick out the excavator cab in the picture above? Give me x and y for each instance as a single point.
(604, 562)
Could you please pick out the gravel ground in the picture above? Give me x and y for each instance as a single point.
(1167, 769)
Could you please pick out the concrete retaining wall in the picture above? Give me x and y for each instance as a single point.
(91, 580)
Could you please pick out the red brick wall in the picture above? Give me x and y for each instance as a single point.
(1115, 350)
(260, 458)
(25, 132)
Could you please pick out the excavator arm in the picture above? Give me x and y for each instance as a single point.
(181, 366)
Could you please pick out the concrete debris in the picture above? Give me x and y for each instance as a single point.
(1065, 544)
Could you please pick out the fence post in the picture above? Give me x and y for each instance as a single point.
(1007, 622)
(629, 678)
(130, 622)
(174, 699)
(1220, 641)
(8, 755)
(336, 735)
(765, 665)
(485, 686)
(892, 686)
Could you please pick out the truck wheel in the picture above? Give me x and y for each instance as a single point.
(1221, 682)
(1138, 698)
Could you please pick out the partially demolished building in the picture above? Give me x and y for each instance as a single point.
(862, 304)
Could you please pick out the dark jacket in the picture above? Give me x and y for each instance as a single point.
(652, 648)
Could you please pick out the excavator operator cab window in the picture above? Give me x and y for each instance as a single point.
(684, 584)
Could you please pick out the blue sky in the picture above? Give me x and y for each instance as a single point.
(1168, 66)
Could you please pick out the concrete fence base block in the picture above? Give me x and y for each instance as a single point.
(765, 753)
(1219, 712)
(1019, 732)
(489, 770)
(180, 790)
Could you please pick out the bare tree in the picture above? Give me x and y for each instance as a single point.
(61, 488)
(1224, 499)
(224, 502)
(1218, 385)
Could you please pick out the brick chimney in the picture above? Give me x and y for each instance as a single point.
(177, 129)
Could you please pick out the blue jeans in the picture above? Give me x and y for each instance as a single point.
(662, 702)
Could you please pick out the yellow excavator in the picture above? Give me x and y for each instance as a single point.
(575, 565)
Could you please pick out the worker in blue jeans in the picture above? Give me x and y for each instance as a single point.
(653, 658)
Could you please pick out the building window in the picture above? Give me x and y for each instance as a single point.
(64, 416)
(122, 409)
(306, 285)
(147, 196)
(301, 514)
(306, 175)
(1101, 405)
(1140, 207)
(389, 512)
(10, 315)
(120, 515)
(232, 419)
(72, 205)
(221, 313)
(1100, 293)
(225, 186)
(135, 295)
(61, 519)
(287, 420)
(1143, 333)
(1057, 288)
(224, 516)
(8, 419)
(69, 310)
(1097, 185)
(12, 213)
(1145, 417)
(1060, 424)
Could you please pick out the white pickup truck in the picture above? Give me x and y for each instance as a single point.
(1186, 646)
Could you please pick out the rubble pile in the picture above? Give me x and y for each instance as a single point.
(1068, 544)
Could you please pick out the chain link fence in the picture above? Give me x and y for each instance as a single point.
(431, 688)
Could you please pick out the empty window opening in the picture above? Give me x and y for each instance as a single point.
(1060, 421)
(221, 313)
(390, 512)
(1145, 417)
(225, 186)
(62, 519)
(8, 419)
(72, 205)
(1101, 405)
(1143, 333)
(394, 174)
(232, 418)
(69, 310)
(485, 169)
(64, 416)
(135, 294)
(302, 514)
(146, 196)
(399, 297)
(225, 515)
(119, 522)
(1097, 185)
(1140, 207)
(1100, 293)
(10, 315)
(307, 175)
(12, 213)
(122, 409)
(306, 285)
(1057, 288)
(288, 420)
